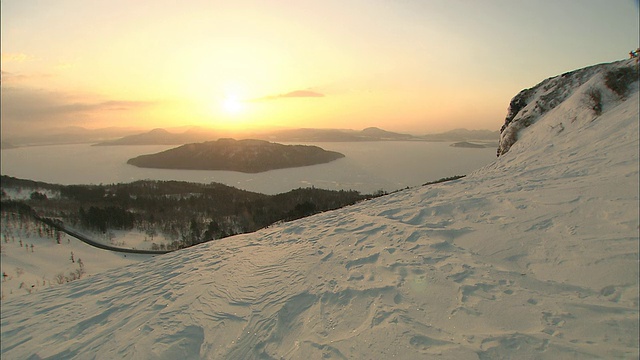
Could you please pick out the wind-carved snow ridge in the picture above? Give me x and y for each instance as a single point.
(528, 106)
(534, 256)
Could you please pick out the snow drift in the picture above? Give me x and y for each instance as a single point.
(533, 256)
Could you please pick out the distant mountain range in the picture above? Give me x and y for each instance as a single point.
(249, 156)
(164, 137)
(67, 135)
(131, 136)
(463, 135)
(336, 135)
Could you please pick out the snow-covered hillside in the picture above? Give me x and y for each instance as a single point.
(35, 257)
(533, 256)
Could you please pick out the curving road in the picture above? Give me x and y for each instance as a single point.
(93, 243)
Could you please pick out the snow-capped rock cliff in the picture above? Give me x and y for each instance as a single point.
(589, 89)
(534, 256)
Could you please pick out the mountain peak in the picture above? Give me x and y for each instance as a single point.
(375, 132)
(158, 131)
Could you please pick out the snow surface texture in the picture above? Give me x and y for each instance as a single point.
(533, 256)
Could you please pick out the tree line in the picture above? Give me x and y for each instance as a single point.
(186, 213)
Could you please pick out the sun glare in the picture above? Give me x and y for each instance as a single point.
(232, 105)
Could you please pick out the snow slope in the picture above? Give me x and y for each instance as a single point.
(34, 261)
(533, 256)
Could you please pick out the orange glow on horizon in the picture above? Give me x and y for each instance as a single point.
(401, 66)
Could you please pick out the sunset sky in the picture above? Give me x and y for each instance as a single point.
(417, 66)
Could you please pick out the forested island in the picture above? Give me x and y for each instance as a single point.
(470, 145)
(248, 156)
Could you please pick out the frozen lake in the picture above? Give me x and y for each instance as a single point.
(367, 167)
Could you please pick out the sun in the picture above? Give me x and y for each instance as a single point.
(231, 105)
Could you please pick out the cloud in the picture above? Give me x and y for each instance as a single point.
(111, 105)
(27, 107)
(64, 65)
(16, 57)
(13, 78)
(7, 77)
(292, 94)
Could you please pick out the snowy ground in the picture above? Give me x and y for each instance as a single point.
(33, 260)
(532, 257)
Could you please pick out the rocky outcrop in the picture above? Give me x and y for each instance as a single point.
(531, 104)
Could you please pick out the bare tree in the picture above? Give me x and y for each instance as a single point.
(60, 279)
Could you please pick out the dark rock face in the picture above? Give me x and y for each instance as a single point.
(517, 103)
(249, 156)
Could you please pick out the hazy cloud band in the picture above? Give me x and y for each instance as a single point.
(292, 94)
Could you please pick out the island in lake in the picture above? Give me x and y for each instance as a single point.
(466, 144)
(249, 156)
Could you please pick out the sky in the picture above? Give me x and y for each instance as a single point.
(416, 66)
